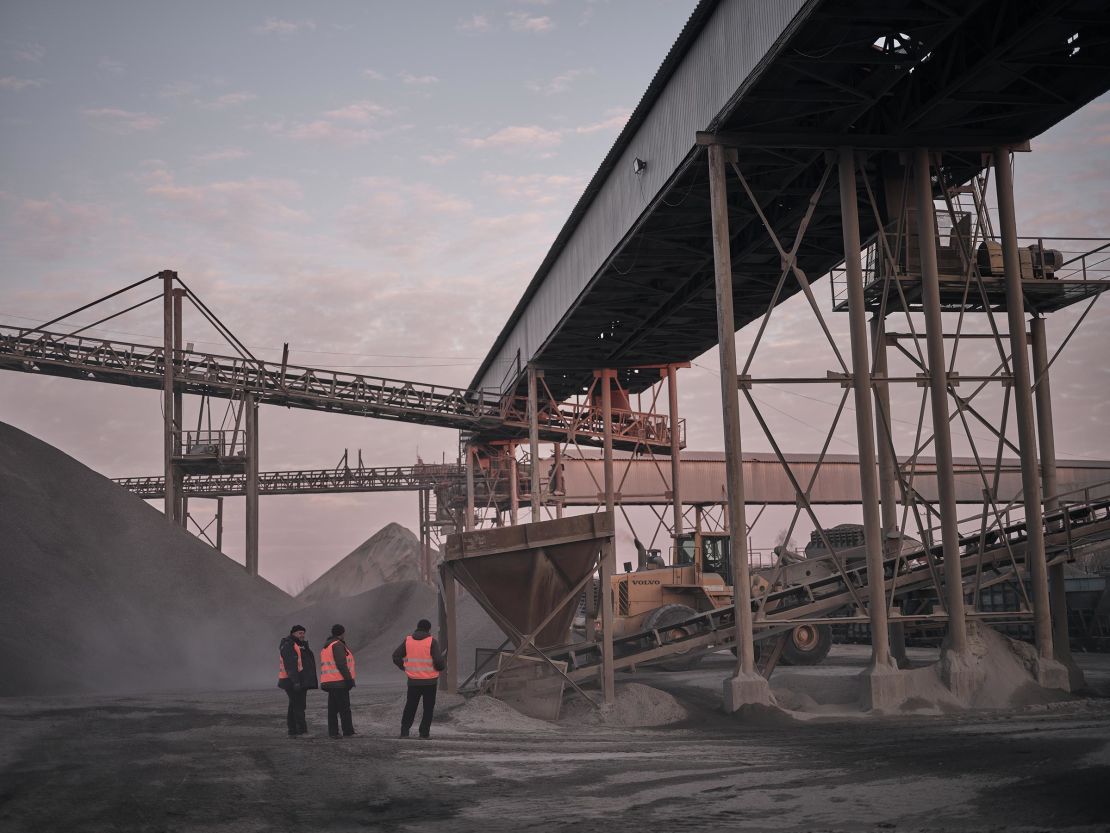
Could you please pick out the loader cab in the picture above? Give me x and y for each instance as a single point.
(709, 552)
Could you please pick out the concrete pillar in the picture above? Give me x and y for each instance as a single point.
(1051, 674)
(1061, 641)
(938, 396)
(251, 407)
(888, 478)
(884, 688)
(170, 505)
(609, 558)
(557, 478)
(534, 439)
(745, 686)
(676, 449)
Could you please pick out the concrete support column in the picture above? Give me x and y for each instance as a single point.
(676, 448)
(534, 439)
(181, 510)
(557, 478)
(1051, 673)
(468, 522)
(745, 686)
(514, 487)
(170, 505)
(1061, 641)
(609, 557)
(882, 675)
(888, 478)
(251, 406)
(938, 396)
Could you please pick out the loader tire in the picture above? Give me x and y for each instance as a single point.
(661, 619)
(807, 645)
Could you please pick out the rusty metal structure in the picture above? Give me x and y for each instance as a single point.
(779, 142)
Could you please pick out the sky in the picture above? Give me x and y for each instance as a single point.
(375, 183)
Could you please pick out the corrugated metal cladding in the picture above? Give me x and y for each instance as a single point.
(730, 46)
(642, 481)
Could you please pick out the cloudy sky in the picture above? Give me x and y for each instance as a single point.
(374, 183)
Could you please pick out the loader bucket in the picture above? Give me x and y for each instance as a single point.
(522, 574)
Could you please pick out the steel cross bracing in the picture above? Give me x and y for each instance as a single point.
(306, 481)
(209, 374)
(779, 609)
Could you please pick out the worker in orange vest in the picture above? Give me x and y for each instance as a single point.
(420, 657)
(337, 678)
(296, 674)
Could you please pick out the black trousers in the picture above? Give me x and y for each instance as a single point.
(427, 693)
(339, 709)
(294, 718)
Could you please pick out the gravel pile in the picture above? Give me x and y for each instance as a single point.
(391, 554)
(100, 593)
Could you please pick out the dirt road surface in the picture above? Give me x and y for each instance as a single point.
(222, 762)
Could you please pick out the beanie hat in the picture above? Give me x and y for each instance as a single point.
(423, 625)
(296, 628)
(338, 630)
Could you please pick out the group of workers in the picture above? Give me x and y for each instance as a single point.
(419, 656)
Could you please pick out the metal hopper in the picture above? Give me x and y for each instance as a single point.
(527, 577)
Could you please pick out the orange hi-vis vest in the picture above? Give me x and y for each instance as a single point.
(282, 673)
(418, 659)
(329, 671)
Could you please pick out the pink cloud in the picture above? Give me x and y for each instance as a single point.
(519, 136)
(18, 85)
(284, 28)
(123, 121)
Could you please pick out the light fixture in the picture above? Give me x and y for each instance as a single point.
(638, 165)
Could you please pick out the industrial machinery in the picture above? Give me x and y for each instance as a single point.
(658, 598)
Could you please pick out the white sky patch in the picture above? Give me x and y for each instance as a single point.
(524, 22)
(419, 80)
(537, 189)
(18, 85)
(276, 26)
(359, 111)
(123, 121)
(30, 52)
(110, 66)
(373, 75)
(228, 100)
(224, 155)
(519, 136)
(561, 82)
(615, 121)
(476, 23)
(437, 159)
(178, 89)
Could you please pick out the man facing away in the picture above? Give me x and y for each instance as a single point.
(337, 678)
(420, 657)
(296, 674)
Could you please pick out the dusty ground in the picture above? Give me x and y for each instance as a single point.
(222, 762)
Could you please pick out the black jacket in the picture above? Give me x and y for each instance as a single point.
(340, 653)
(439, 661)
(306, 677)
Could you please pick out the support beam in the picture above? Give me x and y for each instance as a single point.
(170, 503)
(448, 628)
(420, 515)
(1061, 641)
(557, 478)
(888, 477)
(884, 689)
(676, 449)
(251, 407)
(468, 521)
(745, 686)
(220, 524)
(1050, 672)
(534, 439)
(514, 487)
(609, 557)
(181, 509)
(938, 400)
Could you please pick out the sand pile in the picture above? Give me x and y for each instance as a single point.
(378, 620)
(391, 554)
(635, 705)
(484, 713)
(99, 593)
